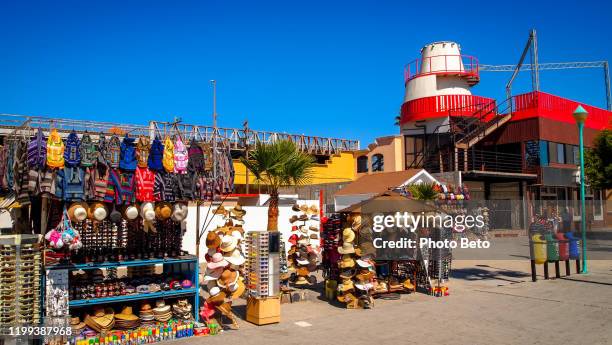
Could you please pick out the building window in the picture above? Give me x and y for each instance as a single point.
(414, 149)
(378, 162)
(362, 164)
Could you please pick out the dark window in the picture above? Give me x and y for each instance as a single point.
(414, 151)
(378, 162)
(362, 164)
(552, 153)
(569, 154)
(561, 153)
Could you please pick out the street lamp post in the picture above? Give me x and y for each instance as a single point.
(580, 116)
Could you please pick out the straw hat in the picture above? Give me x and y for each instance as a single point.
(212, 275)
(76, 323)
(220, 210)
(301, 280)
(237, 289)
(234, 257)
(212, 240)
(313, 209)
(346, 262)
(356, 225)
(131, 212)
(102, 320)
(304, 208)
(217, 261)
(227, 277)
(348, 235)
(217, 296)
(126, 314)
(163, 210)
(346, 285)
(147, 211)
(363, 263)
(347, 248)
(97, 211)
(228, 243)
(179, 212)
(77, 212)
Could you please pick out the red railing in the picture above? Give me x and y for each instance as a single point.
(445, 105)
(464, 65)
(541, 104)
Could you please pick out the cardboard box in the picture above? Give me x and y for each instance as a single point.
(263, 311)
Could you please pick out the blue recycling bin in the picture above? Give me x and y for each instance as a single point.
(574, 246)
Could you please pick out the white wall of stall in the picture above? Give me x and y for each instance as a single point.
(256, 219)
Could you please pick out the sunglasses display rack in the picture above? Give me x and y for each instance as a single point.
(184, 266)
(20, 269)
(257, 264)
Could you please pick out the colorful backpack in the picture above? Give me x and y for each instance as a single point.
(128, 154)
(168, 159)
(55, 150)
(156, 155)
(89, 153)
(196, 157)
(113, 152)
(37, 151)
(72, 153)
(180, 157)
(142, 151)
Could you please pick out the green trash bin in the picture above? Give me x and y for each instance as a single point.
(552, 248)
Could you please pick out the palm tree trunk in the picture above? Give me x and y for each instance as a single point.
(273, 211)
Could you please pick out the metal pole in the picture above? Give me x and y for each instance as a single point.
(607, 81)
(582, 200)
(246, 147)
(214, 136)
(534, 52)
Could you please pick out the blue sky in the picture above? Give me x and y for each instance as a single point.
(326, 68)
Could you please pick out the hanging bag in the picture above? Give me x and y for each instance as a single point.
(55, 150)
(156, 155)
(196, 157)
(37, 151)
(113, 152)
(142, 151)
(181, 158)
(168, 159)
(89, 153)
(128, 154)
(72, 153)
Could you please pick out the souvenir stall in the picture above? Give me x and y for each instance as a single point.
(349, 253)
(302, 257)
(111, 208)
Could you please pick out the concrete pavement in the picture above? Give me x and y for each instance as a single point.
(491, 302)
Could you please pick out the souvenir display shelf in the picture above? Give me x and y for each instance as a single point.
(257, 264)
(25, 307)
(187, 264)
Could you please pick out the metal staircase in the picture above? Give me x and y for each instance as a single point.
(468, 131)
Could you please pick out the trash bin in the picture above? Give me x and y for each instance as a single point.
(563, 246)
(574, 246)
(539, 249)
(552, 248)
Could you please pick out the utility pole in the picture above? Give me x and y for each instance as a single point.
(245, 125)
(214, 136)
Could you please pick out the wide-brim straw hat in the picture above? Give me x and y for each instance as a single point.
(97, 211)
(237, 289)
(228, 243)
(347, 248)
(346, 285)
(163, 210)
(102, 320)
(234, 257)
(217, 261)
(348, 235)
(126, 314)
(227, 277)
(77, 212)
(356, 225)
(301, 280)
(346, 262)
(220, 210)
(180, 211)
(147, 211)
(213, 240)
(131, 212)
(76, 323)
(211, 275)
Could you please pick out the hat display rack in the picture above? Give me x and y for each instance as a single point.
(303, 255)
(224, 276)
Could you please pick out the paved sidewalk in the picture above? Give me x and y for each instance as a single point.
(491, 302)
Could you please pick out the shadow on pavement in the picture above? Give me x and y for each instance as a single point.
(474, 274)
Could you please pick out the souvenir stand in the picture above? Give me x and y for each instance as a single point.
(111, 206)
(348, 251)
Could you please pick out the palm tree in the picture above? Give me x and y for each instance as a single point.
(276, 165)
(423, 191)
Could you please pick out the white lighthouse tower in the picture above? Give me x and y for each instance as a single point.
(438, 87)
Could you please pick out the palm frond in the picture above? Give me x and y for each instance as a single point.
(423, 191)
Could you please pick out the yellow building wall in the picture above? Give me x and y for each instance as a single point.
(339, 168)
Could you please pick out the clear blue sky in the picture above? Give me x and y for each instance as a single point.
(322, 68)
